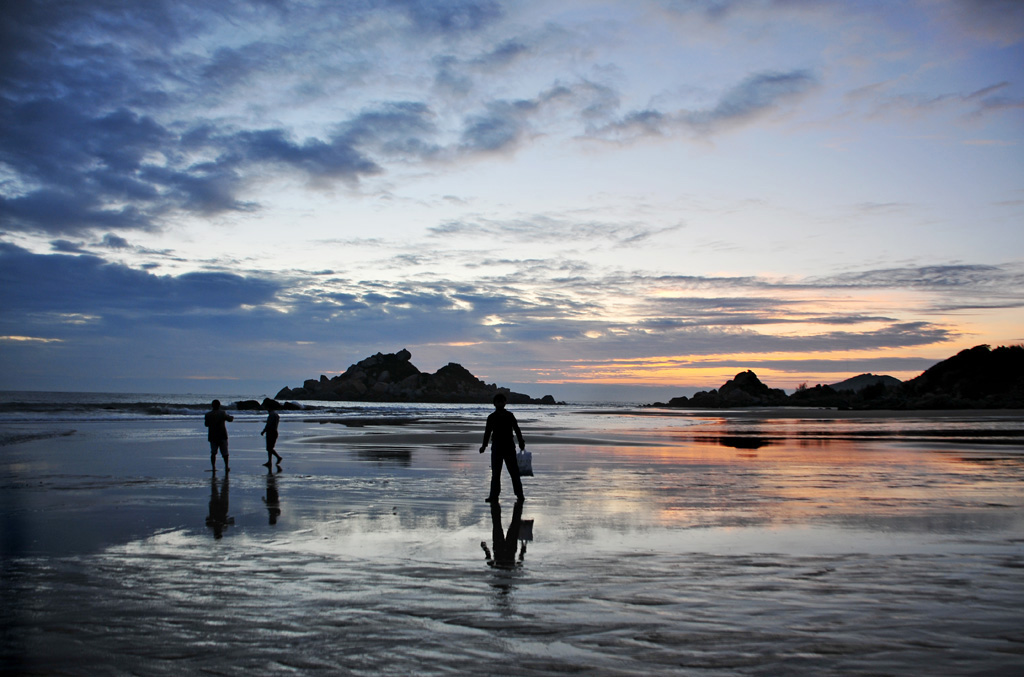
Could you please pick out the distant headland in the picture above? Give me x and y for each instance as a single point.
(394, 378)
(976, 378)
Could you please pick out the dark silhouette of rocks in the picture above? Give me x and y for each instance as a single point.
(394, 378)
(976, 378)
(859, 383)
(266, 405)
(744, 390)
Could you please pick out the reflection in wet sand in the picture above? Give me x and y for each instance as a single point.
(272, 499)
(503, 557)
(218, 518)
(815, 555)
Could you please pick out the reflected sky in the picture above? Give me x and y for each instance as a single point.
(376, 552)
(379, 488)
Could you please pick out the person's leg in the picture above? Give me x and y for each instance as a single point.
(213, 455)
(496, 459)
(271, 444)
(513, 471)
(224, 453)
(270, 451)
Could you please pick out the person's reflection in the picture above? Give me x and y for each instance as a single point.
(272, 500)
(218, 518)
(505, 542)
(503, 558)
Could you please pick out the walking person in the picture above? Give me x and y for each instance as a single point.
(501, 426)
(216, 420)
(270, 430)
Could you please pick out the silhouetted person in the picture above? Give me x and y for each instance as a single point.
(218, 517)
(505, 542)
(216, 421)
(272, 499)
(270, 430)
(501, 426)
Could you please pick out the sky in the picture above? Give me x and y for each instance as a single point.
(621, 200)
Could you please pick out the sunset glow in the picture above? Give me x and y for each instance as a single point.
(650, 194)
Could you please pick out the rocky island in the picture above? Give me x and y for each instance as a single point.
(394, 378)
(976, 378)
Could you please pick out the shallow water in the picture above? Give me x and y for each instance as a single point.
(667, 548)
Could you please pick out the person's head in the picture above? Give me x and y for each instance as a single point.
(500, 401)
(216, 405)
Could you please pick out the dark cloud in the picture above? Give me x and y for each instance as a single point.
(451, 77)
(449, 17)
(86, 88)
(501, 127)
(721, 9)
(459, 76)
(65, 212)
(533, 317)
(507, 52)
(336, 158)
(504, 124)
(59, 283)
(755, 96)
(67, 247)
(400, 128)
(667, 314)
(929, 277)
(999, 20)
(758, 93)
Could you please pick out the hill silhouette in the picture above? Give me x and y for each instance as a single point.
(858, 383)
(975, 378)
(394, 378)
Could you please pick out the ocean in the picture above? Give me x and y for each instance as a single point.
(652, 541)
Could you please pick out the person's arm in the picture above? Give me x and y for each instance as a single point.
(487, 434)
(519, 434)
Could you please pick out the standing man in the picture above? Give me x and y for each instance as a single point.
(502, 425)
(215, 420)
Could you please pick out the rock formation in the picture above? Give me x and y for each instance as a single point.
(859, 383)
(394, 378)
(976, 378)
(744, 390)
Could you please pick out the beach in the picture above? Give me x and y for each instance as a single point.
(651, 542)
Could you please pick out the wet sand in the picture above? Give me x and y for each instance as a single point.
(743, 545)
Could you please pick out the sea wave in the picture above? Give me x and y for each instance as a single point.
(28, 407)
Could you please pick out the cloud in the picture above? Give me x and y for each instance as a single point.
(109, 123)
(501, 127)
(67, 247)
(999, 20)
(400, 128)
(539, 316)
(758, 93)
(112, 241)
(542, 228)
(754, 97)
(336, 158)
(936, 277)
(58, 283)
(449, 17)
